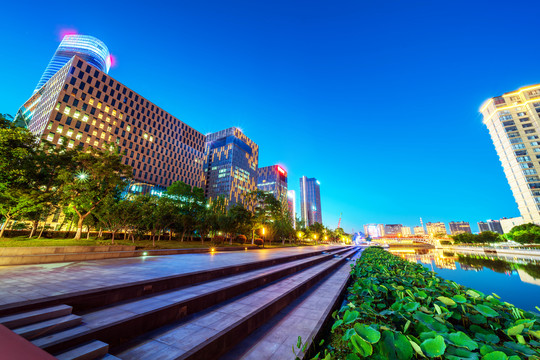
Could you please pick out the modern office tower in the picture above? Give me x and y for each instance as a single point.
(437, 228)
(419, 230)
(381, 229)
(490, 225)
(392, 229)
(81, 106)
(459, 227)
(86, 47)
(508, 224)
(310, 200)
(231, 160)
(291, 202)
(513, 122)
(273, 179)
(373, 231)
(406, 231)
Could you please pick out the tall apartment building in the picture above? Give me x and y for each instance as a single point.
(310, 200)
(490, 225)
(419, 230)
(392, 229)
(508, 224)
(437, 228)
(231, 161)
(513, 122)
(406, 231)
(273, 179)
(88, 48)
(82, 106)
(459, 227)
(291, 202)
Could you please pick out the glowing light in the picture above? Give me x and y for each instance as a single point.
(81, 176)
(280, 170)
(144, 253)
(263, 230)
(111, 61)
(318, 183)
(67, 32)
(212, 249)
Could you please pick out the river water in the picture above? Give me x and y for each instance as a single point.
(516, 281)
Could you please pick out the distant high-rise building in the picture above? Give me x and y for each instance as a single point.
(437, 228)
(291, 202)
(310, 200)
(406, 231)
(81, 106)
(459, 227)
(508, 224)
(86, 47)
(373, 231)
(392, 229)
(273, 179)
(490, 225)
(513, 122)
(231, 167)
(419, 230)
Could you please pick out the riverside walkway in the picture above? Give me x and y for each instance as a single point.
(23, 283)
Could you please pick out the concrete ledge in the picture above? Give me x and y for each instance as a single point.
(45, 255)
(15, 347)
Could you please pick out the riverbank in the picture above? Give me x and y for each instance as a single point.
(399, 309)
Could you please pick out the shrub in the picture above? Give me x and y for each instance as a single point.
(259, 242)
(241, 239)
(218, 240)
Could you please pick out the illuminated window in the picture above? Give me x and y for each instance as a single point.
(121, 116)
(78, 136)
(96, 143)
(60, 128)
(57, 106)
(88, 140)
(100, 116)
(94, 132)
(50, 137)
(145, 136)
(49, 127)
(69, 132)
(108, 119)
(85, 118)
(60, 140)
(67, 110)
(109, 128)
(114, 112)
(101, 125)
(71, 143)
(91, 101)
(107, 109)
(128, 128)
(77, 114)
(99, 105)
(103, 135)
(151, 138)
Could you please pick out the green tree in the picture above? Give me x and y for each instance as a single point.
(97, 176)
(524, 234)
(190, 202)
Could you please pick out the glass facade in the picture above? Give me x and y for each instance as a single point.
(231, 161)
(310, 199)
(273, 179)
(459, 227)
(88, 48)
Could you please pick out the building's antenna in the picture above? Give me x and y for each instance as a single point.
(421, 223)
(339, 222)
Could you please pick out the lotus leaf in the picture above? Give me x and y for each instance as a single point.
(477, 319)
(350, 316)
(361, 346)
(524, 349)
(495, 355)
(462, 340)
(490, 338)
(454, 353)
(367, 333)
(446, 301)
(411, 306)
(395, 345)
(474, 293)
(459, 299)
(348, 334)
(515, 330)
(486, 310)
(434, 347)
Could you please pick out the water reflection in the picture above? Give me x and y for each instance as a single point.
(515, 279)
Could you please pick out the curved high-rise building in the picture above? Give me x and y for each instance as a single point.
(88, 48)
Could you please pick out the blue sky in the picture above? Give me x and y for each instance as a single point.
(377, 100)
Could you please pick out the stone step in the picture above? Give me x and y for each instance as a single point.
(42, 328)
(30, 317)
(136, 317)
(89, 351)
(306, 317)
(213, 333)
(108, 357)
(89, 299)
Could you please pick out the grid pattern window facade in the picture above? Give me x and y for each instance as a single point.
(310, 201)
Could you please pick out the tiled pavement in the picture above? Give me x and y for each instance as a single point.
(31, 282)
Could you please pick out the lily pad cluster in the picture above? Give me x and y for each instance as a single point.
(400, 310)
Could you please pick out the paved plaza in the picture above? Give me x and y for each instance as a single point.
(33, 282)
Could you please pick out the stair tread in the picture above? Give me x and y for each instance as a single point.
(46, 326)
(127, 310)
(88, 351)
(176, 342)
(28, 317)
(305, 319)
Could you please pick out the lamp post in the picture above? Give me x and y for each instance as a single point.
(263, 231)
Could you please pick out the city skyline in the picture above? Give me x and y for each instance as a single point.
(195, 91)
